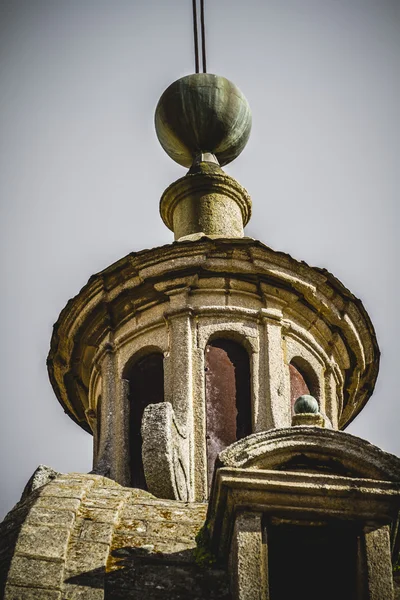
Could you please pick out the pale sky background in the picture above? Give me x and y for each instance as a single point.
(81, 171)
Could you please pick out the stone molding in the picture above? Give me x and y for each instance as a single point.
(298, 495)
(340, 452)
(195, 189)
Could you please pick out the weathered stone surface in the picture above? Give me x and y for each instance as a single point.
(35, 573)
(312, 447)
(165, 453)
(41, 476)
(22, 593)
(112, 543)
(248, 559)
(86, 556)
(378, 571)
(43, 541)
(44, 515)
(211, 204)
(56, 503)
(308, 419)
(93, 531)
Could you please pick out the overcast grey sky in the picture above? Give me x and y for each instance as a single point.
(81, 171)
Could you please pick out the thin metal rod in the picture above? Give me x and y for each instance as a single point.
(196, 37)
(203, 35)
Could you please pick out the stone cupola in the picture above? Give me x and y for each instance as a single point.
(215, 375)
(172, 354)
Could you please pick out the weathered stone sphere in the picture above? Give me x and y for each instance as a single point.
(306, 404)
(202, 113)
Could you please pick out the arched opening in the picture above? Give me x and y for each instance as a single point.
(146, 386)
(228, 397)
(302, 380)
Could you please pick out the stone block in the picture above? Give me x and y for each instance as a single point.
(84, 556)
(44, 515)
(310, 419)
(130, 543)
(100, 515)
(93, 531)
(42, 541)
(63, 503)
(133, 526)
(169, 530)
(35, 572)
(72, 591)
(109, 492)
(21, 593)
(64, 491)
(108, 503)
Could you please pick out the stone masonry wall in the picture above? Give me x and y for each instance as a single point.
(85, 537)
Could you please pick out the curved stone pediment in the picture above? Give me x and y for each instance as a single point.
(311, 449)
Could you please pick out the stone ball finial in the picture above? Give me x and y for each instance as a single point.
(202, 113)
(306, 404)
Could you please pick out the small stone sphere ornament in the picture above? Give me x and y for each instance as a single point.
(306, 404)
(203, 113)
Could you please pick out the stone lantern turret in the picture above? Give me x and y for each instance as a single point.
(213, 369)
(151, 345)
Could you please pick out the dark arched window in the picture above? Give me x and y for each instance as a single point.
(228, 397)
(146, 386)
(302, 380)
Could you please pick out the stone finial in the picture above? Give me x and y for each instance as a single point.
(203, 113)
(306, 404)
(203, 121)
(306, 412)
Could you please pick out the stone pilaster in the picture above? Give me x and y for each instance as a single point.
(248, 564)
(377, 572)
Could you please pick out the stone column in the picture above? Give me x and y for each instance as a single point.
(122, 432)
(331, 404)
(105, 457)
(277, 384)
(113, 454)
(199, 426)
(248, 565)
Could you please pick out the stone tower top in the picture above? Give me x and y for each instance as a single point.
(203, 121)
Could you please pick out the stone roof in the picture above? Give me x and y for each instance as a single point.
(84, 536)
